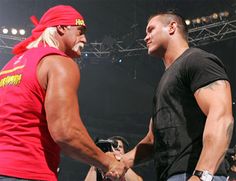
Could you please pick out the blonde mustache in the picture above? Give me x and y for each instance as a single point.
(78, 47)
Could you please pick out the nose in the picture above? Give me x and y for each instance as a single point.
(146, 38)
(84, 39)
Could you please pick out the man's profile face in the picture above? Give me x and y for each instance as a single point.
(157, 36)
(74, 40)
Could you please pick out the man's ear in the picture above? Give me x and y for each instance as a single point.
(172, 27)
(61, 29)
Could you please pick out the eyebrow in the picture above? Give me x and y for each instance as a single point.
(82, 28)
(149, 28)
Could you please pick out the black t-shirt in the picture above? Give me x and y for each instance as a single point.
(178, 122)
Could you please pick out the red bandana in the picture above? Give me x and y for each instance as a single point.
(58, 15)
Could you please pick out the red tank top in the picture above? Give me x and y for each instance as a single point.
(26, 147)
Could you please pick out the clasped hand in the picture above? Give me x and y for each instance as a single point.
(117, 168)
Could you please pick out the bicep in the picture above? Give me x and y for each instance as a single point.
(61, 92)
(215, 96)
(216, 103)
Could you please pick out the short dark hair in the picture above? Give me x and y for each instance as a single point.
(174, 14)
(122, 139)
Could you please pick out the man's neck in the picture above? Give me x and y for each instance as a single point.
(173, 52)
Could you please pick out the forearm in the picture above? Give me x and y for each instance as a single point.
(142, 152)
(75, 142)
(69, 132)
(215, 143)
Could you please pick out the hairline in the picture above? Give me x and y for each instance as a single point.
(172, 16)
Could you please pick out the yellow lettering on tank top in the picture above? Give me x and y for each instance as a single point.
(13, 80)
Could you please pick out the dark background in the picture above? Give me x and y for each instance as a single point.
(116, 97)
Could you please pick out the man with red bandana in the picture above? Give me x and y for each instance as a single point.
(39, 114)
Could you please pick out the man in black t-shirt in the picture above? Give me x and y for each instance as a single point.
(192, 120)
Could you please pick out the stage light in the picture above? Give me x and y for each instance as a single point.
(205, 19)
(188, 22)
(214, 15)
(194, 21)
(198, 20)
(22, 32)
(14, 31)
(224, 14)
(5, 31)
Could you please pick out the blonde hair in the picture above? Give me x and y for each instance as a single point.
(47, 37)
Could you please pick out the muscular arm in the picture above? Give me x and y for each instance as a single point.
(143, 151)
(60, 77)
(215, 101)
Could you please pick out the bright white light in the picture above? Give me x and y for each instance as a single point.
(22, 32)
(188, 22)
(214, 15)
(224, 14)
(198, 20)
(208, 19)
(4, 30)
(14, 31)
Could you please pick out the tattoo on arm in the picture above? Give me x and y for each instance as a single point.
(213, 85)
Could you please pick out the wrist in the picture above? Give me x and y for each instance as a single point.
(106, 162)
(203, 175)
(127, 161)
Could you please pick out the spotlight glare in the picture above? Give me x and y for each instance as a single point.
(188, 22)
(204, 19)
(214, 15)
(14, 31)
(226, 13)
(198, 20)
(22, 32)
(4, 30)
(194, 21)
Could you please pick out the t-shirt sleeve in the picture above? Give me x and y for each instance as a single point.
(203, 69)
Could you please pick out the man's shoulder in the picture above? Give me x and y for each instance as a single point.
(200, 53)
(193, 51)
(45, 50)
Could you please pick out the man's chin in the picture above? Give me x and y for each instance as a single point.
(154, 53)
(150, 52)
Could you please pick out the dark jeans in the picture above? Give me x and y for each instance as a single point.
(185, 177)
(6, 178)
